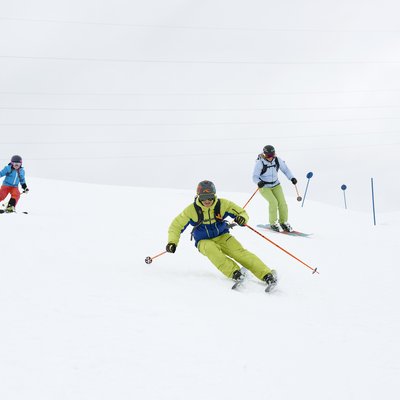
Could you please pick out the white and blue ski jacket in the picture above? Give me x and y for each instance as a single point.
(270, 176)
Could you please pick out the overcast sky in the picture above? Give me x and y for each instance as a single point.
(167, 93)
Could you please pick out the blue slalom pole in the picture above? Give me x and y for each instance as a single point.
(373, 200)
(308, 176)
(344, 187)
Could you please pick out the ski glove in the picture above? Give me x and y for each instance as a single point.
(171, 247)
(26, 190)
(260, 184)
(294, 181)
(240, 220)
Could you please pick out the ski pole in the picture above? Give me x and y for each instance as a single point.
(248, 201)
(299, 198)
(149, 260)
(314, 270)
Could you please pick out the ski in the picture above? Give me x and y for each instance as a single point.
(12, 212)
(270, 287)
(293, 233)
(239, 283)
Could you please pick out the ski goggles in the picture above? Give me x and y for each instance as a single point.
(16, 164)
(269, 155)
(205, 197)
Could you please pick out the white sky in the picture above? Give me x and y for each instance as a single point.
(168, 93)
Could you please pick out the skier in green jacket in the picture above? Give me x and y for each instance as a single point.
(211, 234)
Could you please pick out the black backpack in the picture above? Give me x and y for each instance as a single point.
(265, 167)
(200, 216)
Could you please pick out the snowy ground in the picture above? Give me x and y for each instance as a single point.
(83, 317)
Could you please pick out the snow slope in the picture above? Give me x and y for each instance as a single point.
(83, 317)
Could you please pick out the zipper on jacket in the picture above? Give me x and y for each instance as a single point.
(209, 218)
(16, 176)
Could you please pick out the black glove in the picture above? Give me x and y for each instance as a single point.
(294, 181)
(240, 220)
(25, 188)
(171, 247)
(260, 184)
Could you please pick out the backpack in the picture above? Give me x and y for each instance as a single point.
(265, 167)
(200, 216)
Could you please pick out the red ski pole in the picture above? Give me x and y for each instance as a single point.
(248, 201)
(149, 260)
(281, 248)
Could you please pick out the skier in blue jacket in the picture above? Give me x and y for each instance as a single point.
(15, 175)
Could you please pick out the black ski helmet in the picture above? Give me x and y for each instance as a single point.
(206, 190)
(269, 150)
(16, 159)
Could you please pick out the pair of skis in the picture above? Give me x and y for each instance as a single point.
(2, 211)
(292, 233)
(239, 283)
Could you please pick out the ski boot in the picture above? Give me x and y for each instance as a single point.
(237, 276)
(271, 280)
(286, 227)
(276, 227)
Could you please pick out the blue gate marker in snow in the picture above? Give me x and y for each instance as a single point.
(373, 199)
(308, 176)
(344, 187)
